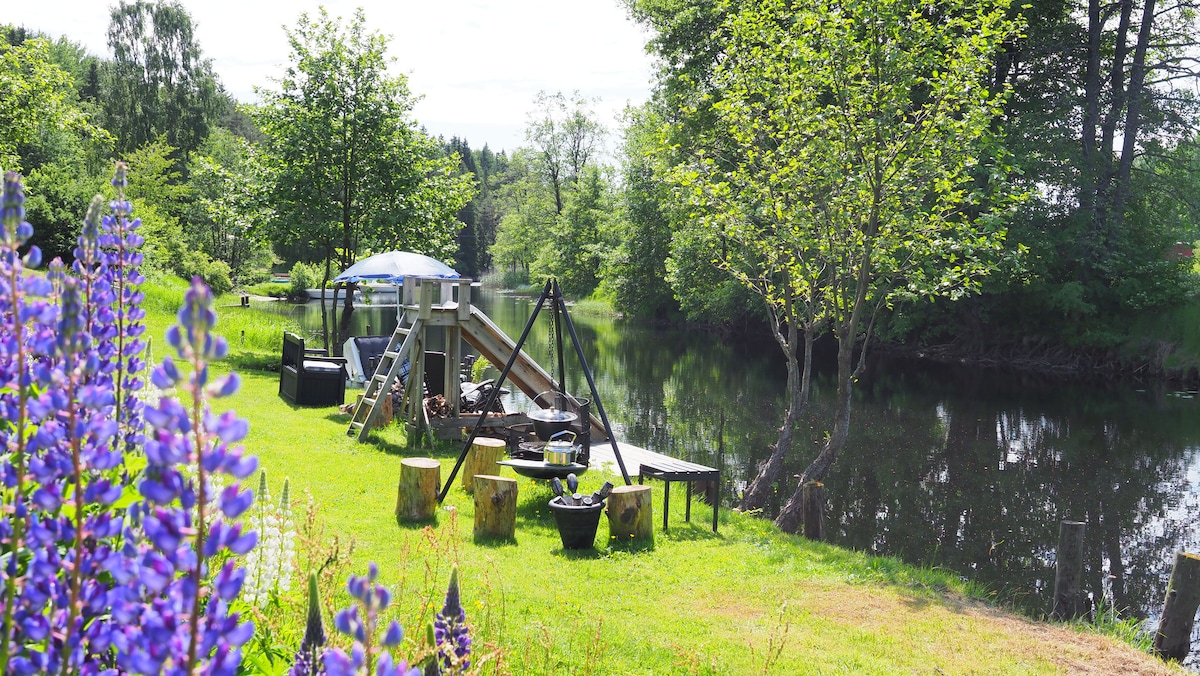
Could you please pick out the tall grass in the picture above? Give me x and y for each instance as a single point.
(255, 338)
(1174, 336)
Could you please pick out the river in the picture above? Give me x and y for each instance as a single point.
(963, 468)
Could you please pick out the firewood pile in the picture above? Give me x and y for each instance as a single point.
(437, 407)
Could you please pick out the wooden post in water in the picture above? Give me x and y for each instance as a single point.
(1173, 640)
(1068, 571)
(814, 510)
(420, 481)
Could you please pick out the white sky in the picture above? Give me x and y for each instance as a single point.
(478, 64)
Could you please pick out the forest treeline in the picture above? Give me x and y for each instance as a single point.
(1092, 132)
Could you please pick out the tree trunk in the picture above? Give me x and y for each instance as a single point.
(758, 493)
(485, 452)
(1091, 107)
(416, 495)
(1105, 172)
(631, 514)
(792, 514)
(324, 316)
(495, 507)
(347, 313)
(1135, 96)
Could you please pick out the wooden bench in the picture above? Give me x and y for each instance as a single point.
(670, 469)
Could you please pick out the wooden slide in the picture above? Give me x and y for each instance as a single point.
(483, 335)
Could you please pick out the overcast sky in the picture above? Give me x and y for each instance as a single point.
(478, 64)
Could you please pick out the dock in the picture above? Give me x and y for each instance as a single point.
(634, 456)
(645, 464)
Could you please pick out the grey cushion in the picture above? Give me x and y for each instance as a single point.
(318, 366)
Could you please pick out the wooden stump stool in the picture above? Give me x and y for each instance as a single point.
(481, 459)
(416, 496)
(495, 506)
(631, 514)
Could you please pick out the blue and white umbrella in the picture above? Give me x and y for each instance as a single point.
(392, 267)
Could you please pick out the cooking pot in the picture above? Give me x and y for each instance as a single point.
(548, 422)
(560, 451)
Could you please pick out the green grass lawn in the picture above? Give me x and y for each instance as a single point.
(749, 600)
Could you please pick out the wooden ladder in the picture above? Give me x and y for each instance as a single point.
(380, 384)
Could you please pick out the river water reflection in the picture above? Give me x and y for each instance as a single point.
(967, 469)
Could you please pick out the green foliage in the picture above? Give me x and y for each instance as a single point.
(842, 167)
(576, 246)
(555, 199)
(48, 132)
(479, 216)
(229, 219)
(479, 369)
(58, 192)
(634, 270)
(270, 289)
(564, 137)
(303, 276)
(529, 214)
(161, 85)
(155, 180)
(349, 170)
(214, 273)
(35, 94)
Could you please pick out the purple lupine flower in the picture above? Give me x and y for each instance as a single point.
(450, 630)
(29, 577)
(122, 261)
(372, 599)
(190, 522)
(308, 660)
(86, 587)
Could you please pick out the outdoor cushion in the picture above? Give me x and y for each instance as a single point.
(321, 366)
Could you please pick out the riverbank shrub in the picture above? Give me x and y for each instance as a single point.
(304, 276)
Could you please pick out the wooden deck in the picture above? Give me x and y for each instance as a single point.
(642, 463)
(633, 456)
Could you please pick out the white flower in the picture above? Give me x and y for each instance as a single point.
(269, 566)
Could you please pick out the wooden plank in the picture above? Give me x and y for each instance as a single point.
(634, 455)
(526, 374)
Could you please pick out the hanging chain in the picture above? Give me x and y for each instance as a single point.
(551, 342)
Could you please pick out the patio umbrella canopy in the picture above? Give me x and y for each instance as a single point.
(392, 267)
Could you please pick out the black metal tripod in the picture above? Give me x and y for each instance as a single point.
(552, 292)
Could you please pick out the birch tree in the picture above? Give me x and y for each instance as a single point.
(851, 161)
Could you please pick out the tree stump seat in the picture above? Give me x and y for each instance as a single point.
(670, 469)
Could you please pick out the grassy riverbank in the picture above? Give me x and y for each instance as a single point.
(750, 600)
(747, 601)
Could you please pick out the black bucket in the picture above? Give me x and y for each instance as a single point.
(577, 525)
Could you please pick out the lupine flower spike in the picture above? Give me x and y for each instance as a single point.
(372, 599)
(308, 659)
(451, 632)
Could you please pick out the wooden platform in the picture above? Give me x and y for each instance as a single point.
(648, 464)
